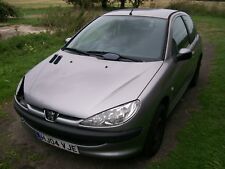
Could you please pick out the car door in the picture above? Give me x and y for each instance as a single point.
(194, 41)
(181, 69)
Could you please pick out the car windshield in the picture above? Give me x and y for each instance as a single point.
(129, 36)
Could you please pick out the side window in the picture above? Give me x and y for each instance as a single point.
(191, 29)
(180, 35)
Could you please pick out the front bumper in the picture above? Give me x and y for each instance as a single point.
(89, 141)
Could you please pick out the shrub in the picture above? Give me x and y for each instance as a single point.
(82, 3)
(68, 20)
(6, 10)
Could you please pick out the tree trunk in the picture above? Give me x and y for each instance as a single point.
(104, 4)
(122, 5)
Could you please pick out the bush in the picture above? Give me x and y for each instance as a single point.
(196, 8)
(68, 20)
(6, 10)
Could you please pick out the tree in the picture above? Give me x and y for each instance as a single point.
(87, 3)
(90, 3)
(122, 4)
(136, 3)
(6, 10)
(104, 3)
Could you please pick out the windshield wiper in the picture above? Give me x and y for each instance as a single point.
(112, 56)
(77, 51)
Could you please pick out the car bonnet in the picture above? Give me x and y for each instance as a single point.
(82, 86)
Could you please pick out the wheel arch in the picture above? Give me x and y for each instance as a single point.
(165, 101)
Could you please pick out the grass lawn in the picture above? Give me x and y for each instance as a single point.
(36, 3)
(32, 16)
(30, 11)
(201, 142)
(19, 54)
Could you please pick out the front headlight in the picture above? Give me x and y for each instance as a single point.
(114, 116)
(19, 86)
(20, 93)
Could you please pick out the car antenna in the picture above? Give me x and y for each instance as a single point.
(131, 12)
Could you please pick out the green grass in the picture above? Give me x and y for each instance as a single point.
(26, 21)
(33, 11)
(37, 3)
(19, 54)
(201, 142)
(69, 20)
(33, 16)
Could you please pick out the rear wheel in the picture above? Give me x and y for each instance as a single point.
(156, 132)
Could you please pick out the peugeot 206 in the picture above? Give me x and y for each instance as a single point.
(109, 90)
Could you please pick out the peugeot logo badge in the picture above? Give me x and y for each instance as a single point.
(50, 115)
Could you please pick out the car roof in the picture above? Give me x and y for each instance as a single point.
(158, 13)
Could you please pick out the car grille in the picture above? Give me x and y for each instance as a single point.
(62, 119)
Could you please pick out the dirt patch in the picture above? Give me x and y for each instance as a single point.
(24, 142)
(15, 30)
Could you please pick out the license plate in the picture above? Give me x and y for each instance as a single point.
(57, 142)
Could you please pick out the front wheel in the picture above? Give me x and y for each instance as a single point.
(156, 132)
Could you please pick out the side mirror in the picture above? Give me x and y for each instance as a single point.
(67, 40)
(184, 54)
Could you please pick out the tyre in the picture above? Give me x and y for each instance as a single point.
(156, 132)
(194, 80)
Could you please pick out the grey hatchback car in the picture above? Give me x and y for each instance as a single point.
(109, 90)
